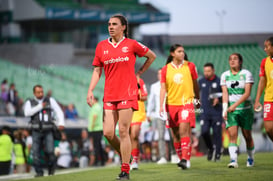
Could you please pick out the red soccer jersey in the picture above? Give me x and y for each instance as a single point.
(118, 61)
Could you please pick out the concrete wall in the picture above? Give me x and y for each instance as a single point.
(37, 54)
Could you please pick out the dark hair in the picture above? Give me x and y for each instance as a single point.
(209, 65)
(6, 128)
(186, 57)
(270, 39)
(123, 21)
(240, 58)
(37, 86)
(172, 49)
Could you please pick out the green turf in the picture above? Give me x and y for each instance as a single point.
(201, 169)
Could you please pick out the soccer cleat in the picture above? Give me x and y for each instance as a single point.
(134, 166)
(188, 164)
(233, 164)
(123, 176)
(175, 159)
(210, 154)
(182, 164)
(250, 162)
(162, 161)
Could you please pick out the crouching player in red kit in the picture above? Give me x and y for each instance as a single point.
(179, 81)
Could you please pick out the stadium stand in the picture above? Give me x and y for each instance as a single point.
(65, 91)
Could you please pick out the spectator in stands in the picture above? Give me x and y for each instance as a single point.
(71, 112)
(11, 103)
(19, 148)
(11, 93)
(211, 115)
(18, 104)
(6, 145)
(4, 90)
(117, 56)
(266, 85)
(95, 122)
(40, 109)
(64, 153)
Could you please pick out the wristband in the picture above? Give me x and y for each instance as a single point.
(225, 108)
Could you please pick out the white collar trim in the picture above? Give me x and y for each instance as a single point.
(115, 45)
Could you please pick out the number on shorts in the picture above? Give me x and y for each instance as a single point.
(267, 108)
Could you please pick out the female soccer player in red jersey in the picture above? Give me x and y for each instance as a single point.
(117, 56)
(266, 85)
(179, 81)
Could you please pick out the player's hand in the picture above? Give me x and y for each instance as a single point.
(161, 111)
(258, 106)
(231, 108)
(215, 102)
(89, 98)
(196, 103)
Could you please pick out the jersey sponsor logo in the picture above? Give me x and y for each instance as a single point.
(125, 49)
(178, 78)
(116, 60)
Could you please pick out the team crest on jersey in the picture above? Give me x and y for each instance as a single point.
(178, 78)
(125, 49)
(241, 77)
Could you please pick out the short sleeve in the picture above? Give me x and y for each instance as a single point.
(97, 59)
(262, 68)
(193, 71)
(249, 77)
(223, 79)
(163, 74)
(140, 49)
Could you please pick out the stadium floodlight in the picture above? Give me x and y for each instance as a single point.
(221, 15)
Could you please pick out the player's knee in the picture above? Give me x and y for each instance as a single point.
(108, 134)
